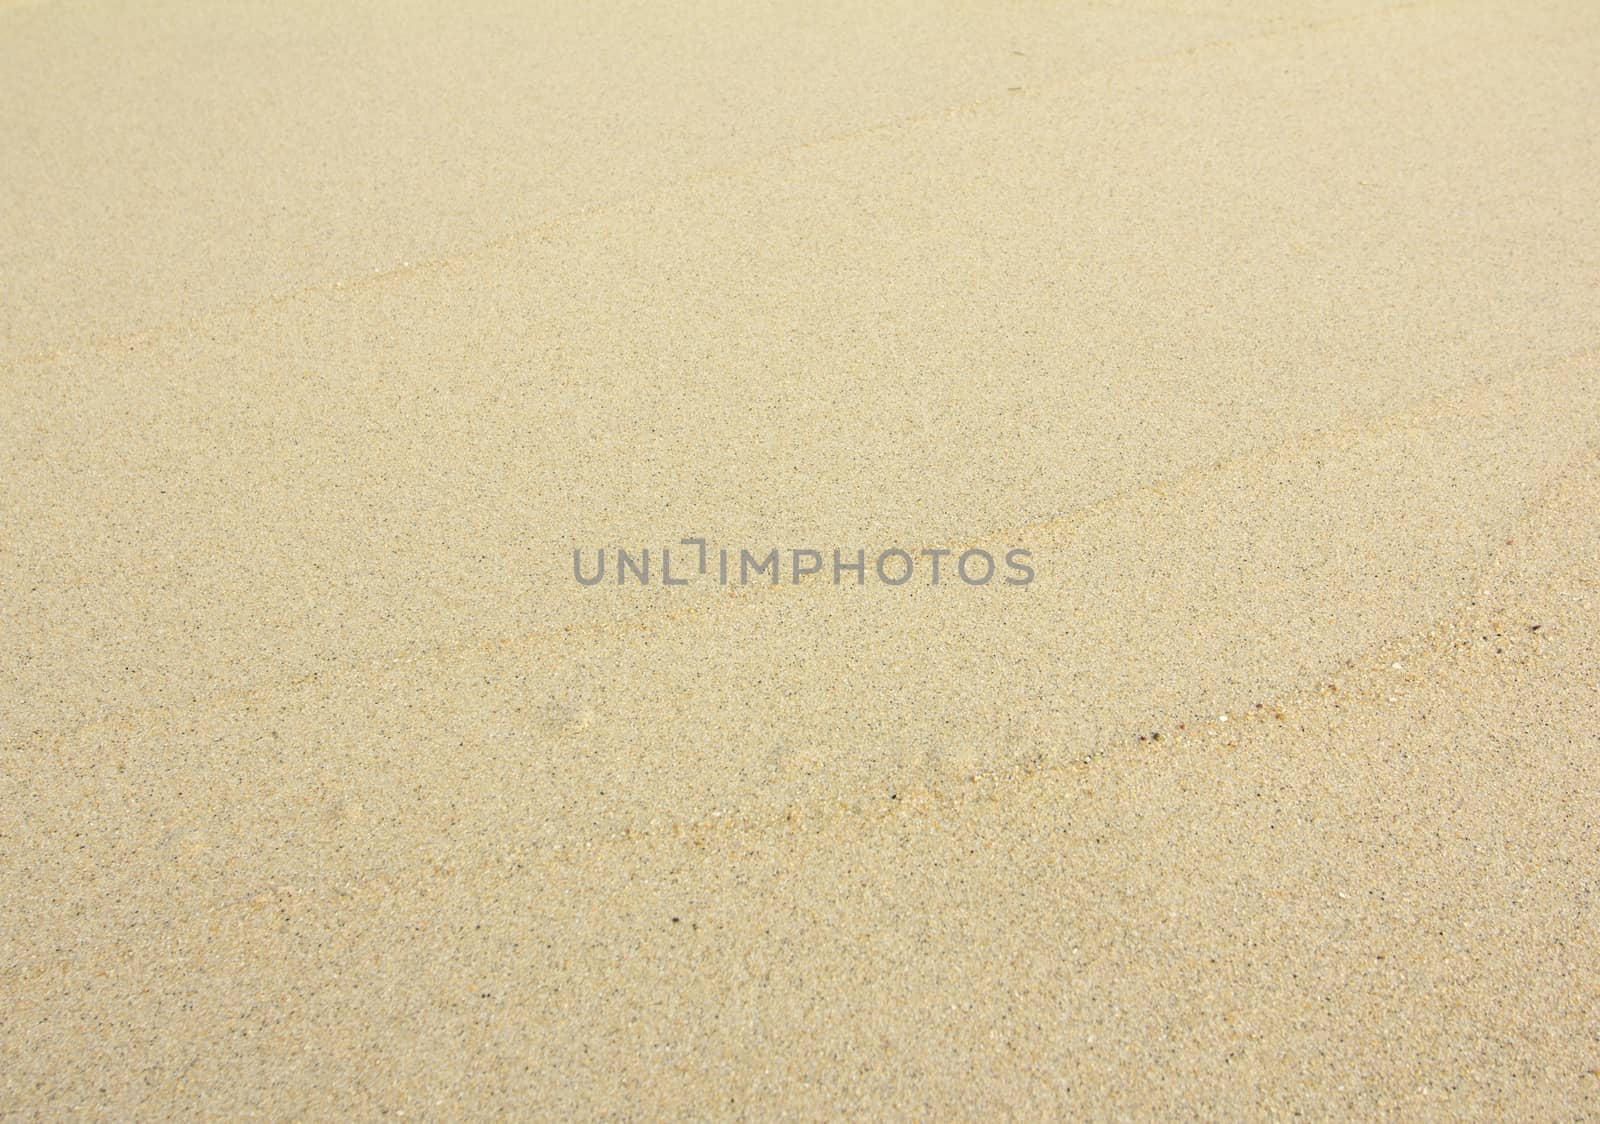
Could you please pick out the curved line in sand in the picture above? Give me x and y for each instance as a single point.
(1432, 406)
(509, 239)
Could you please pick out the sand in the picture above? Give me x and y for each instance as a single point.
(328, 333)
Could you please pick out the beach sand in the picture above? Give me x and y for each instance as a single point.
(1271, 330)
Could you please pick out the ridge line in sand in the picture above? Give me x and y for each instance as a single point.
(1429, 407)
(509, 239)
(849, 808)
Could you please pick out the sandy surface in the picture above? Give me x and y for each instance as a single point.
(328, 332)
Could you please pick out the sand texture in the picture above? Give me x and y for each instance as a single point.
(328, 332)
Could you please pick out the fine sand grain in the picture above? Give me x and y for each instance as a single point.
(329, 332)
